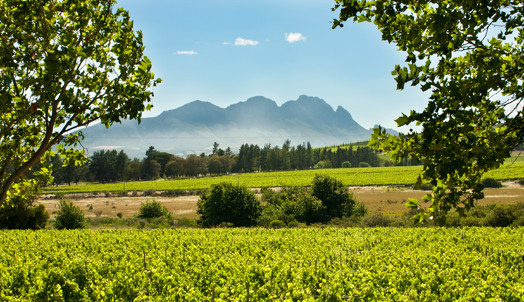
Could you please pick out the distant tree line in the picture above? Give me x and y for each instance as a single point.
(111, 165)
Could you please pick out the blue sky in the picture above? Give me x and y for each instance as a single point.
(225, 51)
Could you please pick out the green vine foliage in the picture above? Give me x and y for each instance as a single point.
(469, 56)
(64, 64)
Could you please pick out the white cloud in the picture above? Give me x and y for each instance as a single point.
(186, 52)
(226, 43)
(245, 42)
(294, 37)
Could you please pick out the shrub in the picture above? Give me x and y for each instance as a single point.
(153, 209)
(323, 164)
(309, 209)
(21, 214)
(500, 217)
(346, 164)
(363, 164)
(376, 220)
(491, 183)
(277, 224)
(334, 196)
(69, 216)
(226, 202)
(521, 182)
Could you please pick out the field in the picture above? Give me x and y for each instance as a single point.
(379, 200)
(378, 176)
(384, 264)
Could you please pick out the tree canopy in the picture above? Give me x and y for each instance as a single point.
(64, 65)
(469, 56)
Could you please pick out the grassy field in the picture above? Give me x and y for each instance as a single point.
(374, 176)
(313, 264)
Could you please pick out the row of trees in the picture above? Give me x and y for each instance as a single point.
(228, 204)
(111, 165)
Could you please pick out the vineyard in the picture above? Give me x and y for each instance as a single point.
(376, 176)
(317, 264)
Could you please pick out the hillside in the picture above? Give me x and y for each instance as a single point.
(194, 127)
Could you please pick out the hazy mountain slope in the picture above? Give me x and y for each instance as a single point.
(194, 127)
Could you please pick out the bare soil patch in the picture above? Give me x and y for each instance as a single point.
(385, 200)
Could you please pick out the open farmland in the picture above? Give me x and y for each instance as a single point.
(376, 176)
(314, 264)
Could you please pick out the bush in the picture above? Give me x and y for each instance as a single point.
(21, 214)
(153, 209)
(500, 217)
(491, 183)
(346, 164)
(323, 164)
(521, 182)
(226, 202)
(376, 220)
(334, 196)
(277, 224)
(363, 164)
(69, 216)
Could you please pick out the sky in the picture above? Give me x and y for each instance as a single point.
(226, 51)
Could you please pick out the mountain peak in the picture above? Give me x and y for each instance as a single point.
(194, 127)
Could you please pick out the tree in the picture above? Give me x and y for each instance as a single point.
(150, 169)
(468, 56)
(226, 202)
(64, 65)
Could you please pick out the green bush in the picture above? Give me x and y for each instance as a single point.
(277, 224)
(363, 164)
(22, 214)
(491, 183)
(334, 196)
(69, 216)
(323, 164)
(501, 217)
(521, 182)
(376, 220)
(226, 202)
(346, 164)
(153, 209)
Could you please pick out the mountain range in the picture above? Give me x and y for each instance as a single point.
(194, 127)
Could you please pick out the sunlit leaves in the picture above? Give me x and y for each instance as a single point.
(468, 56)
(64, 65)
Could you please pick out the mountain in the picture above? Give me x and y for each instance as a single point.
(194, 127)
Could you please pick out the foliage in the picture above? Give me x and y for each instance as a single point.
(334, 196)
(491, 183)
(64, 65)
(154, 209)
(323, 164)
(293, 203)
(22, 214)
(346, 164)
(69, 216)
(226, 202)
(468, 56)
(306, 264)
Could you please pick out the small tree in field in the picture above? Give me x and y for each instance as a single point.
(226, 202)
(69, 216)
